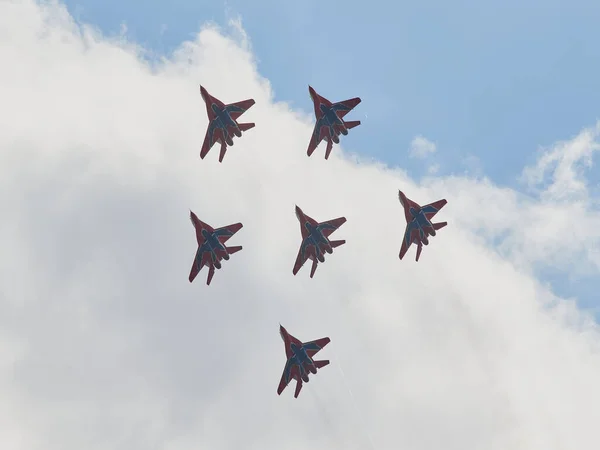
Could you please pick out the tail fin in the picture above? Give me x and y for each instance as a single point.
(246, 126)
(437, 226)
(352, 124)
(335, 244)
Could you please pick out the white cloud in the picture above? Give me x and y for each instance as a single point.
(565, 161)
(472, 165)
(433, 169)
(105, 344)
(421, 147)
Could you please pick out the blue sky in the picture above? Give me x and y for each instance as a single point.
(494, 81)
(491, 81)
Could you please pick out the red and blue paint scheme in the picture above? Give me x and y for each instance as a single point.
(330, 121)
(419, 225)
(223, 124)
(315, 240)
(211, 246)
(300, 360)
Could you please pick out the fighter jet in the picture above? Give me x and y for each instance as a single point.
(330, 121)
(223, 122)
(211, 246)
(315, 240)
(300, 360)
(419, 225)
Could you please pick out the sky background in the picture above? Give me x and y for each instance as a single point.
(488, 84)
(486, 343)
(491, 80)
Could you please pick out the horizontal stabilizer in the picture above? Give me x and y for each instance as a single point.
(352, 124)
(328, 148)
(246, 126)
(222, 152)
(211, 273)
(313, 268)
(319, 364)
(298, 388)
(335, 244)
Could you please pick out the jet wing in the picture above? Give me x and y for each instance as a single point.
(290, 371)
(213, 134)
(432, 209)
(407, 240)
(310, 253)
(320, 132)
(303, 255)
(235, 110)
(201, 259)
(344, 107)
(224, 233)
(195, 269)
(332, 225)
(313, 347)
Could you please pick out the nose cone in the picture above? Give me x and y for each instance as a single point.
(282, 331)
(299, 213)
(312, 92)
(402, 198)
(204, 93)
